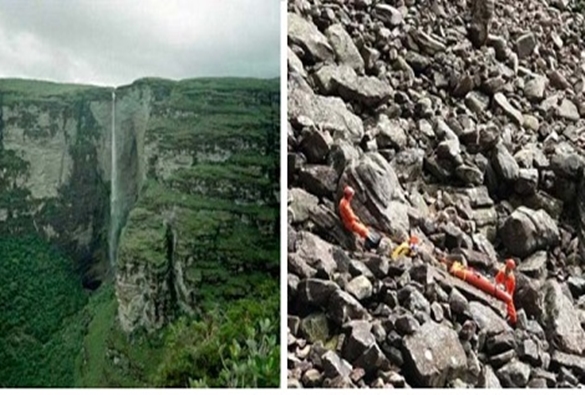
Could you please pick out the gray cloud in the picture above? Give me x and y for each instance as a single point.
(114, 42)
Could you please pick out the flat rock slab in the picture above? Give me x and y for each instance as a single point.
(327, 113)
(526, 231)
(434, 355)
(487, 319)
(306, 35)
(560, 319)
(572, 362)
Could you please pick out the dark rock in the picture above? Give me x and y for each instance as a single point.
(501, 342)
(527, 295)
(488, 378)
(327, 113)
(316, 145)
(373, 359)
(529, 351)
(406, 324)
(320, 180)
(306, 35)
(499, 360)
(560, 320)
(567, 164)
(576, 286)
(413, 300)
(341, 154)
(344, 307)
(358, 340)
(437, 312)
(312, 378)
(525, 44)
(505, 164)
(470, 175)
(574, 362)
(358, 268)
(537, 383)
(344, 48)
(527, 182)
(457, 302)
(514, 374)
(334, 366)
(393, 354)
(526, 231)
(316, 292)
(434, 355)
(487, 319)
(535, 265)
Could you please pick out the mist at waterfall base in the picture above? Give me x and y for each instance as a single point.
(114, 188)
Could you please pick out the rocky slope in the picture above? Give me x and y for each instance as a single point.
(474, 144)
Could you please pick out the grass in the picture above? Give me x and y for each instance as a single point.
(14, 91)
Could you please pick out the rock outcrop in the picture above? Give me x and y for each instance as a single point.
(197, 164)
(460, 122)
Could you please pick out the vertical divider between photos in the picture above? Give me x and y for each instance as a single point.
(283, 193)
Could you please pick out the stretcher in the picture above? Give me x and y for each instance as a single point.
(462, 272)
(477, 280)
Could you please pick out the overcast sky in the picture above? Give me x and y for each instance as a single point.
(114, 42)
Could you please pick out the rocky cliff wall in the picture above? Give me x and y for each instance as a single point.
(209, 194)
(197, 175)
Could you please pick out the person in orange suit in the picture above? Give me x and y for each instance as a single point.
(506, 277)
(413, 242)
(353, 223)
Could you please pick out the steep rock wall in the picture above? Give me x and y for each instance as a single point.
(54, 176)
(207, 219)
(198, 169)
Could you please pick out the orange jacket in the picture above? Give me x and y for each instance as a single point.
(508, 280)
(347, 215)
(350, 220)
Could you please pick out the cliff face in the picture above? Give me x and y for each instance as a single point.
(197, 179)
(55, 166)
(206, 222)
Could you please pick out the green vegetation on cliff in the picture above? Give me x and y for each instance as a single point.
(235, 345)
(198, 252)
(20, 91)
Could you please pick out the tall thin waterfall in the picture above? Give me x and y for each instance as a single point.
(114, 187)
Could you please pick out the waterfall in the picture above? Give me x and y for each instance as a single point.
(114, 187)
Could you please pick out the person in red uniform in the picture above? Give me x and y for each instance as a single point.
(353, 223)
(506, 277)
